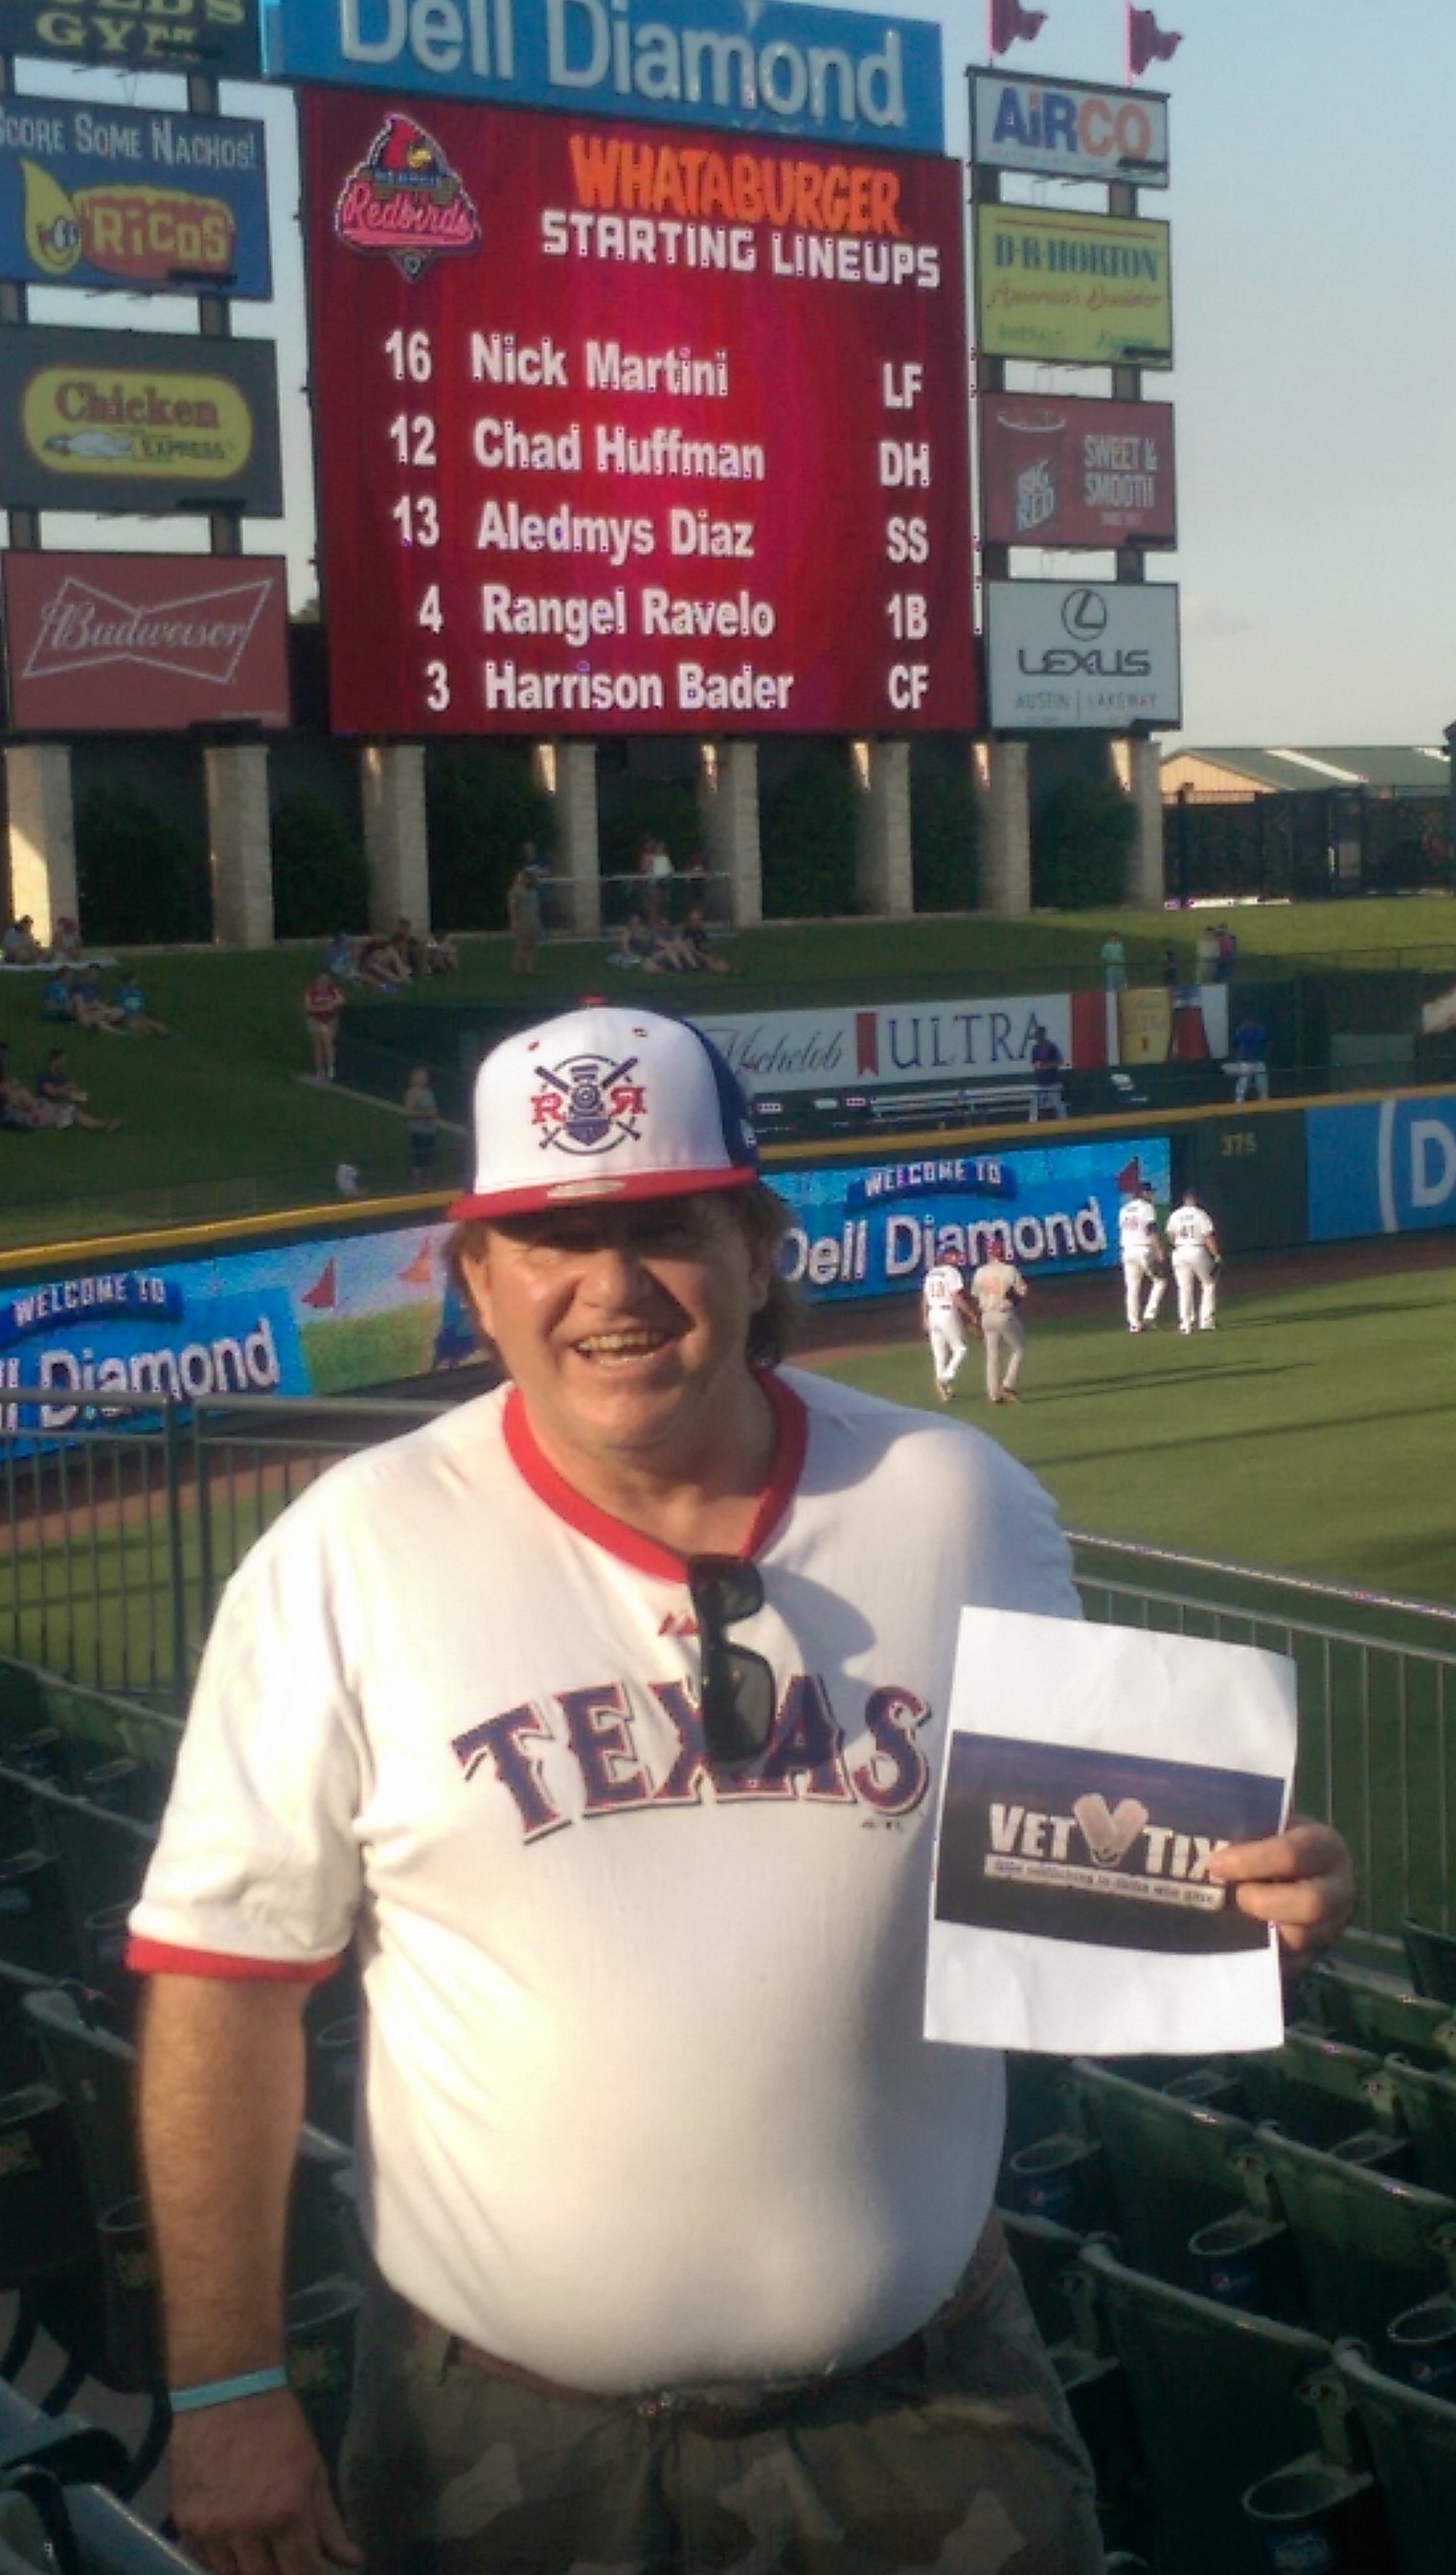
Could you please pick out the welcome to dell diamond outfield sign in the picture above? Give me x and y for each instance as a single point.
(831, 75)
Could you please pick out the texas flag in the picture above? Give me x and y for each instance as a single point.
(1148, 42)
(1013, 25)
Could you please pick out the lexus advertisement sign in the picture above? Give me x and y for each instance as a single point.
(1098, 657)
(144, 642)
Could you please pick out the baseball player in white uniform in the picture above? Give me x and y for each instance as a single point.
(945, 1312)
(1142, 1258)
(999, 1292)
(569, 1711)
(1194, 1247)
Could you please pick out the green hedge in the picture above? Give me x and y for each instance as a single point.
(320, 879)
(806, 827)
(483, 804)
(1080, 843)
(139, 881)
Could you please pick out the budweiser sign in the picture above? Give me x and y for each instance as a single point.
(143, 643)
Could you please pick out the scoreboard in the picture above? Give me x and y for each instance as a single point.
(626, 429)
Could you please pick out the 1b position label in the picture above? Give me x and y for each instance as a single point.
(637, 430)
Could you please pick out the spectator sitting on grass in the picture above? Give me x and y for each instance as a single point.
(693, 939)
(58, 1000)
(381, 966)
(339, 958)
(66, 941)
(638, 945)
(136, 1019)
(89, 1007)
(441, 955)
(55, 1100)
(20, 945)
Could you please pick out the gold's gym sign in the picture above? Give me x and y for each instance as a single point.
(108, 419)
(218, 36)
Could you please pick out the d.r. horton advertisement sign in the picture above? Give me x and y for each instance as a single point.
(875, 1229)
(316, 1318)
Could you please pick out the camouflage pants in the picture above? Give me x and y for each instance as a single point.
(960, 2459)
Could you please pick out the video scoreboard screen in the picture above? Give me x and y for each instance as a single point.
(626, 429)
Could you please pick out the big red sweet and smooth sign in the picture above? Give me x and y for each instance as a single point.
(628, 431)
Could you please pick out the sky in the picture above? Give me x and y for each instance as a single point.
(1314, 176)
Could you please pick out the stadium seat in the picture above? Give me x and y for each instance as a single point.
(1366, 2246)
(1412, 2440)
(1045, 2255)
(1375, 2011)
(1427, 2103)
(1171, 2164)
(1431, 1956)
(1221, 2398)
(1036, 2098)
(1327, 2093)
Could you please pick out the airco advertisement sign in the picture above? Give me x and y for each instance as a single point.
(217, 36)
(1073, 290)
(1069, 129)
(101, 196)
(144, 420)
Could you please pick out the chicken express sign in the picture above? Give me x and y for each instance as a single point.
(122, 420)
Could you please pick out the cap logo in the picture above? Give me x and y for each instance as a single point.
(588, 1105)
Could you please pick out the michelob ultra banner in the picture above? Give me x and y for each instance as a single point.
(217, 36)
(120, 197)
(1071, 288)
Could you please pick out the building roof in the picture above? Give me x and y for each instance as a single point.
(1394, 766)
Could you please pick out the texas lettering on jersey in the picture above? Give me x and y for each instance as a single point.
(806, 1755)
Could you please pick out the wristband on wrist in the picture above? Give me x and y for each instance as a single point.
(223, 2391)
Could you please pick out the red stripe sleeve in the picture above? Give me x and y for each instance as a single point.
(159, 1958)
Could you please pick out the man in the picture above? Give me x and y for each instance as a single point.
(1047, 1062)
(1250, 1053)
(945, 1317)
(1196, 1259)
(570, 1710)
(422, 1123)
(999, 1292)
(1114, 956)
(1143, 1261)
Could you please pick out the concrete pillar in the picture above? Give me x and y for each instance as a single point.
(568, 772)
(42, 834)
(1005, 850)
(1145, 857)
(727, 805)
(239, 844)
(396, 840)
(884, 879)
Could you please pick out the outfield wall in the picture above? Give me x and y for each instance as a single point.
(316, 1303)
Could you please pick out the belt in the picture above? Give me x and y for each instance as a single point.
(744, 2404)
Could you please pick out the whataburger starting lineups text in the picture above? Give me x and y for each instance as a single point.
(624, 432)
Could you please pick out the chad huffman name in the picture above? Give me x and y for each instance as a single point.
(1035, 1849)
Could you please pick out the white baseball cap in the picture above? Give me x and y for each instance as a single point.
(606, 1104)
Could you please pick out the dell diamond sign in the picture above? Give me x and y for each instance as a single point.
(1094, 655)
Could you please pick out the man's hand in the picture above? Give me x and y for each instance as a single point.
(250, 2493)
(1301, 1880)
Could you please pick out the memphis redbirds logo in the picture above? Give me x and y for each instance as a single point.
(405, 200)
(588, 1105)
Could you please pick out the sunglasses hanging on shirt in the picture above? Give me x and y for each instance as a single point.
(738, 1694)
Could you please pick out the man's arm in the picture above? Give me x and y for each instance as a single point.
(221, 2094)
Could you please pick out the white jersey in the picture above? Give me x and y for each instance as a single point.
(1190, 1228)
(943, 1286)
(1138, 1224)
(644, 2100)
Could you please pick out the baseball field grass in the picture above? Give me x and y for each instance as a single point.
(1313, 1433)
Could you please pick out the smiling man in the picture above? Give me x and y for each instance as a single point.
(603, 1716)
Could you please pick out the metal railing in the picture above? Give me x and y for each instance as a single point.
(119, 1534)
(1377, 1703)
